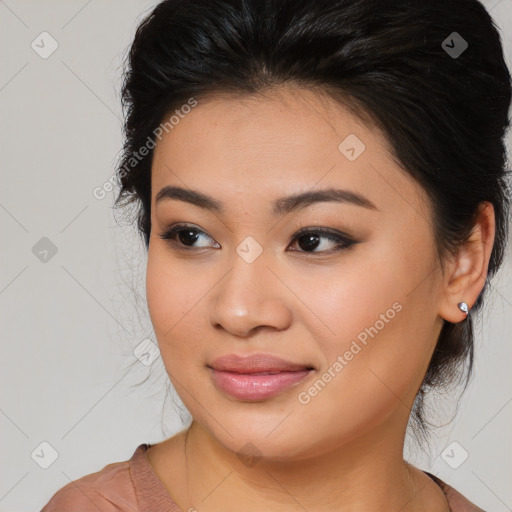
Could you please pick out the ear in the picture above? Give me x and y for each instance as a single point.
(466, 272)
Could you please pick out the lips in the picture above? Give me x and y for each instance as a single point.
(256, 377)
(256, 363)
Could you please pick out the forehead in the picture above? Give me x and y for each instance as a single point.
(286, 120)
(289, 140)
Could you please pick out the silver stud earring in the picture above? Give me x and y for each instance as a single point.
(463, 307)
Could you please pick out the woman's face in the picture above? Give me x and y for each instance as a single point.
(362, 310)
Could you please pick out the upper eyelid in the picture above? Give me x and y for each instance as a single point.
(324, 231)
(303, 229)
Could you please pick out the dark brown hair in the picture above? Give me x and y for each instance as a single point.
(392, 61)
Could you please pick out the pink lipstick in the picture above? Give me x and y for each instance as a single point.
(256, 377)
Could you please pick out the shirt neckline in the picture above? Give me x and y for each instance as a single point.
(149, 489)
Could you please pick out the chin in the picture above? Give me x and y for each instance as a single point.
(256, 440)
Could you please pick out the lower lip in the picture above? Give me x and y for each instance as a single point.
(256, 387)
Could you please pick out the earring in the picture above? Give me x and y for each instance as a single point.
(463, 307)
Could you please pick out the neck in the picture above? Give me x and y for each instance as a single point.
(365, 474)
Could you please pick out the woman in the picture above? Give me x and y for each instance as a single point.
(321, 190)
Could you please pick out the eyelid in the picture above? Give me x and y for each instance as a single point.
(343, 240)
(323, 230)
(173, 229)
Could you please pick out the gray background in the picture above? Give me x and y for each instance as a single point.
(70, 324)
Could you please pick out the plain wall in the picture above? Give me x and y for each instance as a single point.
(70, 323)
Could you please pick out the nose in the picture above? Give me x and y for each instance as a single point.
(249, 298)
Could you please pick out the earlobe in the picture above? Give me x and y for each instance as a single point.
(454, 314)
(463, 307)
(468, 270)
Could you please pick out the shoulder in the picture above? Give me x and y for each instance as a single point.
(457, 502)
(109, 490)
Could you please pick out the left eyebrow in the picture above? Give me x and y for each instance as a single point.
(281, 205)
(331, 195)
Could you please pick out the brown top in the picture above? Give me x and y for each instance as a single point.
(133, 486)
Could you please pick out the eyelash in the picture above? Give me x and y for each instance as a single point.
(343, 242)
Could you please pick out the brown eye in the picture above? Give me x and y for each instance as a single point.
(186, 236)
(310, 239)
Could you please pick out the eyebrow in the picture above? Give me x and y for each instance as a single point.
(281, 206)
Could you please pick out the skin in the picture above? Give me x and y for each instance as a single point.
(306, 307)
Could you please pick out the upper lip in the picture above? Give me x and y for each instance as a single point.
(255, 363)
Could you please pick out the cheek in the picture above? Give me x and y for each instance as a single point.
(373, 315)
(346, 301)
(171, 290)
(161, 300)
(371, 368)
(173, 295)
